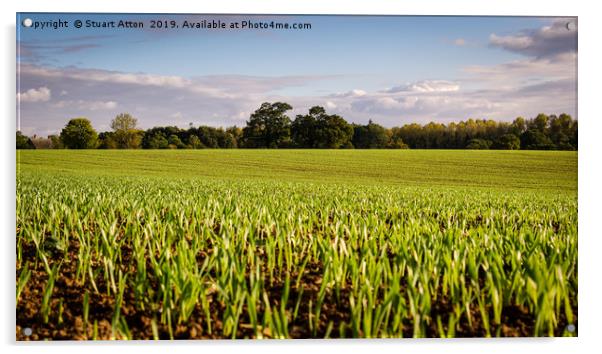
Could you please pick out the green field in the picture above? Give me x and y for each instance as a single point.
(295, 243)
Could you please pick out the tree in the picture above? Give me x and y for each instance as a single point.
(157, 141)
(561, 130)
(56, 142)
(539, 123)
(370, 136)
(478, 144)
(507, 142)
(320, 130)
(395, 139)
(534, 139)
(518, 126)
(79, 134)
(332, 131)
(303, 129)
(175, 142)
(24, 142)
(106, 140)
(236, 134)
(268, 126)
(195, 142)
(126, 136)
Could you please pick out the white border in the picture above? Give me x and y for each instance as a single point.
(589, 169)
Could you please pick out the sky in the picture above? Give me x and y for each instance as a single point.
(393, 70)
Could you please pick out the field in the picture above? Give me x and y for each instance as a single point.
(295, 244)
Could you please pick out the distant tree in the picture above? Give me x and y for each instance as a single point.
(157, 141)
(208, 136)
(195, 142)
(395, 139)
(370, 136)
(478, 144)
(518, 126)
(303, 129)
(573, 138)
(236, 134)
(226, 140)
(507, 142)
(24, 142)
(175, 142)
(156, 138)
(268, 126)
(534, 139)
(106, 140)
(126, 136)
(561, 130)
(79, 134)
(56, 142)
(333, 132)
(539, 123)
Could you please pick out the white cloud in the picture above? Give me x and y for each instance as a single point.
(515, 43)
(517, 73)
(426, 86)
(352, 93)
(41, 94)
(105, 76)
(330, 105)
(177, 115)
(545, 42)
(86, 105)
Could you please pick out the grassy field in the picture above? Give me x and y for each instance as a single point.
(295, 244)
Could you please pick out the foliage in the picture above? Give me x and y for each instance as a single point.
(479, 144)
(79, 134)
(268, 126)
(125, 135)
(507, 142)
(24, 142)
(371, 136)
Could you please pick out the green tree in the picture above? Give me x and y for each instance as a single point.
(303, 128)
(268, 126)
(507, 142)
(539, 123)
(195, 142)
(158, 141)
(175, 142)
(534, 139)
(518, 126)
(370, 136)
(56, 142)
(126, 136)
(79, 134)
(24, 142)
(561, 130)
(478, 144)
(333, 132)
(106, 140)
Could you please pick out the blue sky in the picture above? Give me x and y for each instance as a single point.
(391, 69)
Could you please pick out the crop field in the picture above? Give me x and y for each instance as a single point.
(195, 244)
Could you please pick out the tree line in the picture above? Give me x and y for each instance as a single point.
(270, 127)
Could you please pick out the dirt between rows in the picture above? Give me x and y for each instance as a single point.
(68, 323)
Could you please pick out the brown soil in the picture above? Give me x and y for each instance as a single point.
(516, 320)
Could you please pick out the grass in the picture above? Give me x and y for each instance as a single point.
(295, 244)
(555, 170)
